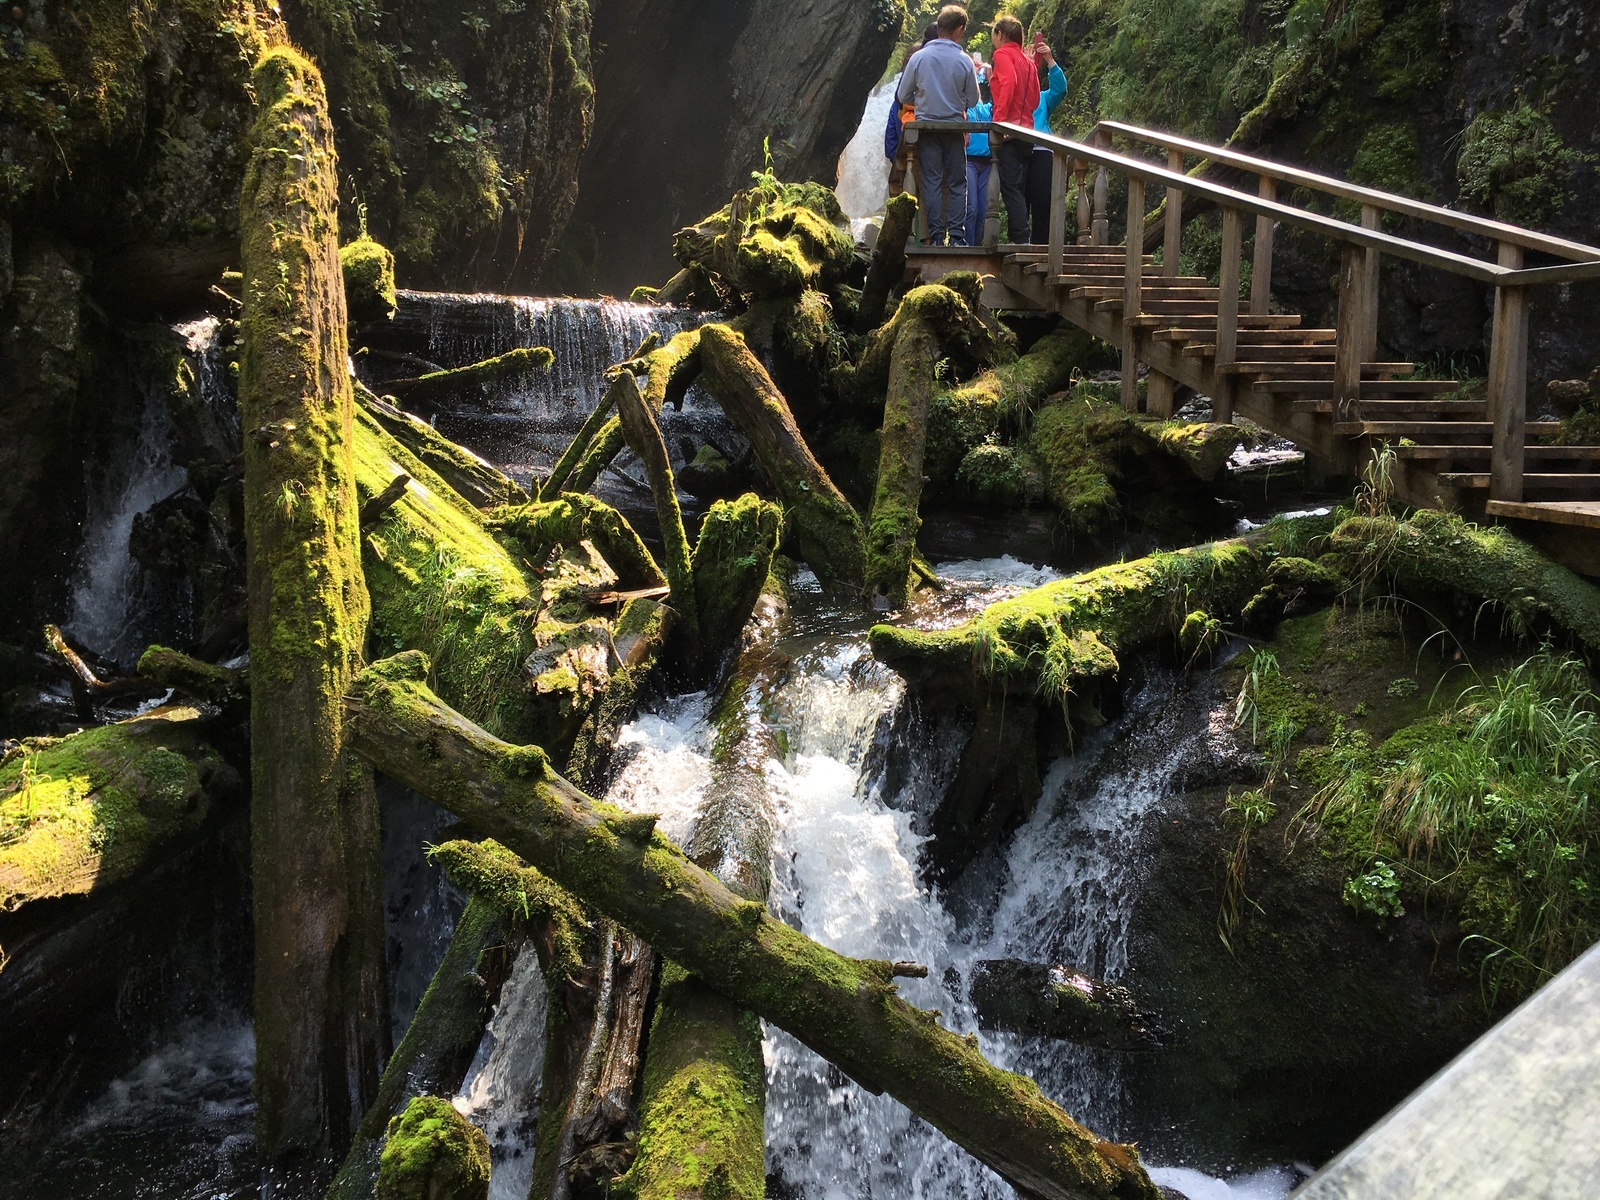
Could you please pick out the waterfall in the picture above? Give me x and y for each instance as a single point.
(863, 187)
(523, 428)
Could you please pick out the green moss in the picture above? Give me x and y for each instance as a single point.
(1078, 442)
(86, 811)
(703, 1103)
(369, 290)
(1059, 638)
(732, 557)
(1002, 397)
(522, 894)
(433, 1153)
(1513, 163)
(1000, 477)
(1488, 568)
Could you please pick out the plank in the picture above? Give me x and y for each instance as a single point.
(1582, 513)
(1371, 389)
(1383, 407)
(1541, 453)
(1579, 480)
(1203, 326)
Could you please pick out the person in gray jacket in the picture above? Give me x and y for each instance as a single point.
(940, 84)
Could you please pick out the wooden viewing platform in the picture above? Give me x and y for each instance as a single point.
(1322, 389)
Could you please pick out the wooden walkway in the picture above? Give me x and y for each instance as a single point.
(1323, 389)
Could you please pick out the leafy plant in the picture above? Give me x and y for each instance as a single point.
(1377, 891)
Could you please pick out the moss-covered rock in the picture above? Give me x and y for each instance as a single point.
(1000, 476)
(84, 812)
(433, 1153)
(369, 291)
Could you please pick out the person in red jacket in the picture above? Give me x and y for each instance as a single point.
(1014, 84)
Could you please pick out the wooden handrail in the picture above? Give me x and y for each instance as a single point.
(1463, 222)
(1251, 203)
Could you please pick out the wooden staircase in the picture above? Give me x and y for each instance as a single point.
(1324, 389)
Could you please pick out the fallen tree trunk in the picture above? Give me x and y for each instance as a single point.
(847, 1010)
(644, 438)
(482, 485)
(320, 993)
(226, 687)
(732, 560)
(1058, 1002)
(543, 525)
(701, 1115)
(897, 498)
(479, 375)
(669, 372)
(888, 269)
(828, 530)
(638, 639)
(433, 1057)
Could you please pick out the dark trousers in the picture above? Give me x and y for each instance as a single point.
(1011, 160)
(944, 177)
(977, 198)
(1040, 169)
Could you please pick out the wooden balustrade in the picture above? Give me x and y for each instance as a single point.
(1362, 246)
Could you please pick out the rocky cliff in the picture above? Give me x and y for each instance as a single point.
(690, 92)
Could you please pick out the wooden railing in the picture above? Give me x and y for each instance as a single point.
(1363, 245)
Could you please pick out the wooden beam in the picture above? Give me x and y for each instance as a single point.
(1508, 383)
(1371, 218)
(1222, 393)
(1132, 284)
(1172, 247)
(1058, 211)
(1261, 267)
(1352, 325)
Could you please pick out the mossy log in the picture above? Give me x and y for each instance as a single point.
(764, 247)
(321, 1034)
(888, 267)
(732, 559)
(479, 377)
(433, 1057)
(514, 638)
(84, 812)
(226, 687)
(896, 499)
(1438, 554)
(828, 531)
(638, 638)
(369, 289)
(542, 526)
(967, 416)
(971, 342)
(432, 1152)
(644, 438)
(482, 485)
(701, 1115)
(1058, 1002)
(1055, 640)
(847, 1010)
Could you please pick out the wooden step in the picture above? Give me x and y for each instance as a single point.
(1160, 308)
(1536, 453)
(1205, 324)
(1373, 408)
(1148, 293)
(1286, 352)
(1107, 269)
(1310, 370)
(1585, 514)
(1577, 481)
(1083, 277)
(1479, 432)
(1370, 388)
(1283, 330)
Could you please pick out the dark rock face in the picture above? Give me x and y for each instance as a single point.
(689, 91)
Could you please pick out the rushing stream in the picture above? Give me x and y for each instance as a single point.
(851, 795)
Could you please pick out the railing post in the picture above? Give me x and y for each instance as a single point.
(1508, 382)
(1058, 214)
(1132, 280)
(1261, 267)
(1102, 221)
(1172, 247)
(1228, 316)
(1085, 214)
(1371, 218)
(1355, 304)
(991, 222)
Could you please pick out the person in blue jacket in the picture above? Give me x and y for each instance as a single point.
(1040, 164)
(979, 164)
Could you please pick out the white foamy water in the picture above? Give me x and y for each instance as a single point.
(863, 187)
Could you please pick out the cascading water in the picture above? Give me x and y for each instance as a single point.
(525, 427)
(863, 187)
(848, 799)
